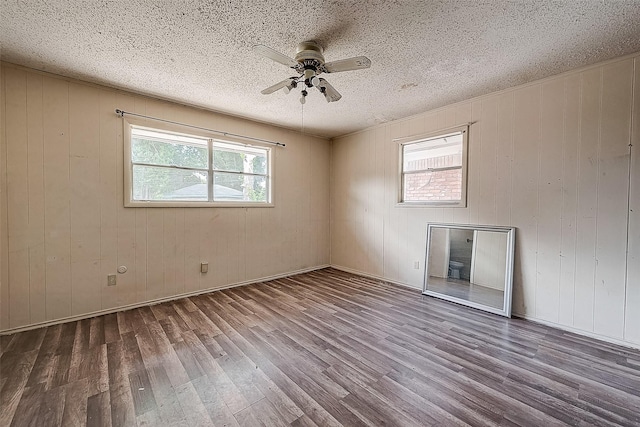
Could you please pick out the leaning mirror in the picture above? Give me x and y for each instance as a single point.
(470, 265)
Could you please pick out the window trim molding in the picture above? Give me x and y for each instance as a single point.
(129, 202)
(464, 129)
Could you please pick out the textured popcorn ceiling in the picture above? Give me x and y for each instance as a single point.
(425, 54)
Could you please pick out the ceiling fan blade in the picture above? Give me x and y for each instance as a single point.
(277, 86)
(267, 52)
(330, 93)
(355, 63)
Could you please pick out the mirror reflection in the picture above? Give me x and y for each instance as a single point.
(470, 264)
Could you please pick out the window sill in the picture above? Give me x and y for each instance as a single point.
(431, 205)
(163, 204)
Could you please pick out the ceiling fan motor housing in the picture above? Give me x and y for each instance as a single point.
(310, 61)
(309, 50)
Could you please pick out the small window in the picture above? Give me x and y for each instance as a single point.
(433, 169)
(169, 168)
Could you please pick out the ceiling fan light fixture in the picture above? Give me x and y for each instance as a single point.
(315, 81)
(291, 85)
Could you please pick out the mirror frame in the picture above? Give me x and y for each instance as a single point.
(508, 285)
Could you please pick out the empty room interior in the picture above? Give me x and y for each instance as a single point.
(338, 213)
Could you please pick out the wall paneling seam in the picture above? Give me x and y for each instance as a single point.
(628, 214)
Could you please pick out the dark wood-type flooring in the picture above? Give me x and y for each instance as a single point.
(324, 348)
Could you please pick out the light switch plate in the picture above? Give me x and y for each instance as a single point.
(111, 280)
(204, 267)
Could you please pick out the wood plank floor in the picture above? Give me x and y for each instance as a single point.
(325, 348)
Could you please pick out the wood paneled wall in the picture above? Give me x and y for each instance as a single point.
(64, 227)
(553, 159)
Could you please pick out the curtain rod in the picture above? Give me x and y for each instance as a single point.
(121, 113)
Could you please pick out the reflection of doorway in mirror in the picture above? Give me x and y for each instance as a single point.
(461, 245)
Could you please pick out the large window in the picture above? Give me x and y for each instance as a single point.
(434, 169)
(167, 168)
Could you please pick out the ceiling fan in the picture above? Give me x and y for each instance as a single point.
(309, 64)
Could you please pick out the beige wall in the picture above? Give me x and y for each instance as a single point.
(64, 227)
(550, 158)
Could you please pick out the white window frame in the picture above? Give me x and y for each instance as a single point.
(213, 138)
(415, 139)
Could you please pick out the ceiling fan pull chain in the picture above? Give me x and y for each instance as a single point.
(302, 114)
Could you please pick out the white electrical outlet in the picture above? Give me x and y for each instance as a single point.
(416, 265)
(111, 280)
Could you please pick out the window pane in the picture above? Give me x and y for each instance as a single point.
(258, 163)
(237, 187)
(241, 160)
(436, 153)
(154, 183)
(227, 160)
(437, 186)
(172, 150)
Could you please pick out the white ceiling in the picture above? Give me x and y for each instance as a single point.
(424, 54)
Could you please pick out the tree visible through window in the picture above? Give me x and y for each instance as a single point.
(173, 167)
(433, 170)
(242, 169)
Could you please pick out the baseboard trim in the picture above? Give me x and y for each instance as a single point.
(155, 301)
(621, 343)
